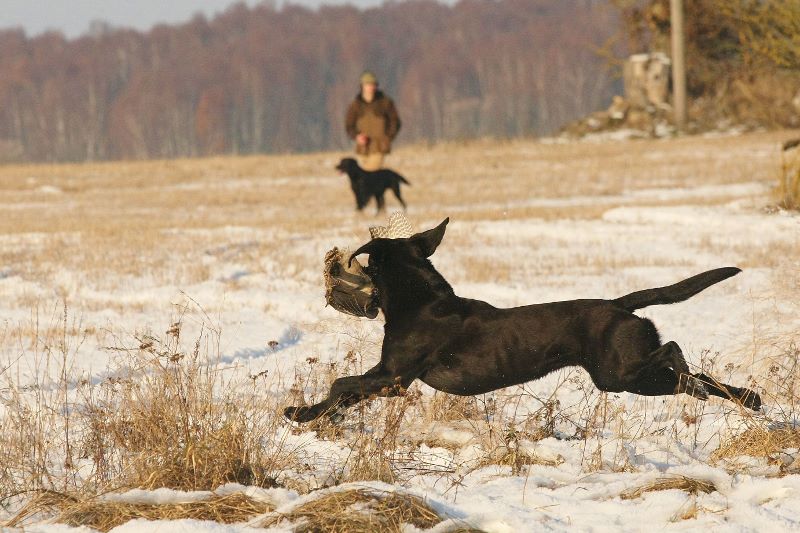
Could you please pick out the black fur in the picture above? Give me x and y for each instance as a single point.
(466, 347)
(371, 184)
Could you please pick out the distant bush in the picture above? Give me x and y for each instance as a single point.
(742, 57)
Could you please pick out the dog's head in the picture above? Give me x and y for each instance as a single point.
(348, 166)
(401, 261)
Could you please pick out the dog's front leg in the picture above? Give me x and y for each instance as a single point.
(348, 391)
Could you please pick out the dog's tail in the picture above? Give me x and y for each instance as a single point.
(404, 180)
(683, 290)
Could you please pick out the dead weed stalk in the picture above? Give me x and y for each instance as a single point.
(684, 483)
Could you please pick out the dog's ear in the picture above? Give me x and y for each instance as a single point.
(428, 241)
(373, 247)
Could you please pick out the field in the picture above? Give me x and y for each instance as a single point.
(156, 317)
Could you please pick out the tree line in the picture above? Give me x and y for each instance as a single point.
(268, 79)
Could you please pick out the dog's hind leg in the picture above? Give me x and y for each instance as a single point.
(396, 191)
(665, 382)
(665, 373)
(381, 202)
(747, 397)
(635, 361)
(687, 382)
(348, 391)
(656, 382)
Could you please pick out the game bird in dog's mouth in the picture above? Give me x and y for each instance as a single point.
(467, 347)
(348, 288)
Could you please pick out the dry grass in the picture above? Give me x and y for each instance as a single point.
(358, 511)
(166, 417)
(775, 438)
(174, 425)
(512, 456)
(135, 208)
(105, 514)
(759, 441)
(442, 407)
(687, 484)
(486, 269)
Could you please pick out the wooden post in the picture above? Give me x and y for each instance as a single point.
(678, 63)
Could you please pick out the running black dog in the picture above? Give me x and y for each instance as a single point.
(371, 184)
(467, 347)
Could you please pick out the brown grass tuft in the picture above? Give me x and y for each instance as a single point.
(690, 485)
(178, 424)
(105, 515)
(166, 417)
(759, 441)
(359, 510)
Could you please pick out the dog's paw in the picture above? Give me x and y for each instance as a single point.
(750, 399)
(336, 417)
(297, 414)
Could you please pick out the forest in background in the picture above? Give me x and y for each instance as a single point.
(268, 79)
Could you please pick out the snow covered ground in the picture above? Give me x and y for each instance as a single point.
(553, 455)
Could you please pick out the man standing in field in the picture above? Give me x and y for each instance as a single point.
(372, 121)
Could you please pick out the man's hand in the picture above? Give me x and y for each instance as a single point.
(362, 139)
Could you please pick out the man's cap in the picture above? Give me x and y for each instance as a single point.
(368, 77)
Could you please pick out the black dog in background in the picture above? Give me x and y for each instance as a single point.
(371, 184)
(467, 347)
